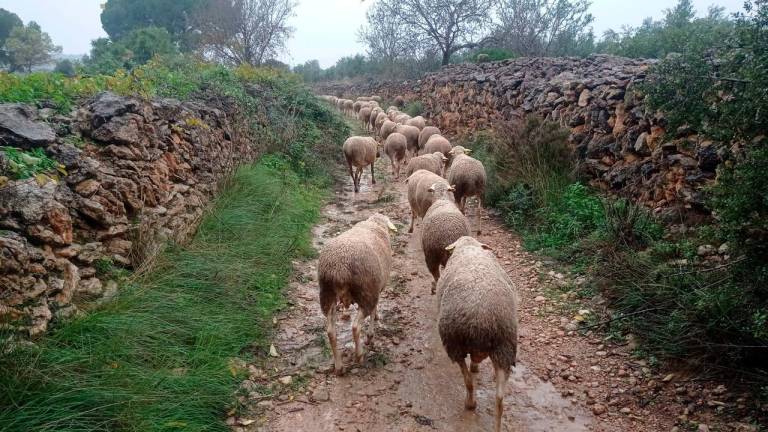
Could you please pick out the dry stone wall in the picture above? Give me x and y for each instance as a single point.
(138, 174)
(622, 147)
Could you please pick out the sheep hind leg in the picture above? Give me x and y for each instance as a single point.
(356, 326)
(331, 331)
(469, 383)
(373, 177)
(413, 221)
(434, 269)
(373, 323)
(502, 375)
(479, 214)
(474, 367)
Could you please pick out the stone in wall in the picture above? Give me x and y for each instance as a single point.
(143, 175)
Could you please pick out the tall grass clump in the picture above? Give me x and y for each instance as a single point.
(160, 357)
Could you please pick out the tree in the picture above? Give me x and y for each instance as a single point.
(387, 37)
(66, 68)
(310, 71)
(8, 21)
(120, 17)
(29, 46)
(450, 25)
(544, 27)
(244, 31)
(678, 32)
(134, 49)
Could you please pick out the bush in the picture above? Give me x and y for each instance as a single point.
(414, 108)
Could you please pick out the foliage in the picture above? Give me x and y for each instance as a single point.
(542, 27)
(414, 108)
(244, 31)
(679, 32)
(681, 305)
(135, 49)
(66, 67)
(389, 41)
(8, 21)
(722, 86)
(29, 46)
(483, 55)
(164, 355)
(449, 26)
(121, 17)
(25, 164)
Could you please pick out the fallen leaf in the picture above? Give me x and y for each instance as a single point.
(273, 351)
(41, 179)
(246, 422)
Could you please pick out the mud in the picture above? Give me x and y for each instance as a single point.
(406, 383)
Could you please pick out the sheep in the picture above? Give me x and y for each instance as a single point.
(467, 174)
(443, 224)
(356, 107)
(359, 152)
(340, 105)
(477, 316)
(376, 98)
(380, 119)
(402, 118)
(412, 134)
(399, 101)
(419, 197)
(374, 115)
(386, 129)
(348, 104)
(432, 162)
(364, 116)
(395, 147)
(392, 114)
(438, 143)
(354, 268)
(425, 134)
(417, 121)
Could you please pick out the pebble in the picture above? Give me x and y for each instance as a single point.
(540, 299)
(599, 409)
(286, 380)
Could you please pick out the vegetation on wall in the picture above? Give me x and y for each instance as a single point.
(678, 300)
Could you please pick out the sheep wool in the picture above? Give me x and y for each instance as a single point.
(354, 268)
(430, 162)
(395, 149)
(419, 196)
(477, 315)
(359, 152)
(442, 226)
(425, 134)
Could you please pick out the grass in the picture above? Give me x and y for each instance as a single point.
(159, 358)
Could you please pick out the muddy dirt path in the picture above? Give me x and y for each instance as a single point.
(565, 381)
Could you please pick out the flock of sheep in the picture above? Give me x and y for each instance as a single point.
(477, 302)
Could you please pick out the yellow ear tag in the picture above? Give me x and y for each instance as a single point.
(450, 247)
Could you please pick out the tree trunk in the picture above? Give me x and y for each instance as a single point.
(446, 57)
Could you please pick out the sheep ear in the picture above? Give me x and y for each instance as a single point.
(431, 188)
(486, 247)
(467, 151)
(391, 226)
(451, 246)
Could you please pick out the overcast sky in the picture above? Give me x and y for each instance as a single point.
(325, 29)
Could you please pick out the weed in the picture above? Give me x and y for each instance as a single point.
(414, 108)
(26, 164)
(117, 368)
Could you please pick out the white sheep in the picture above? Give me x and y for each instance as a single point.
(419, 197)
(477, 316)
(395, 148)
(359, 152)
(354, 268)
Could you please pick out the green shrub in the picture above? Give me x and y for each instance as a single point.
(414, 108)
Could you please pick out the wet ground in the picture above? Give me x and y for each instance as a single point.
(407, 383)
(566, 380)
